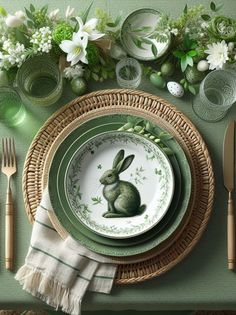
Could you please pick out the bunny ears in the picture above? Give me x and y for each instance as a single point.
(120, 164)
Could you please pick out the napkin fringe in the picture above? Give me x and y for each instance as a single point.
(45, 287)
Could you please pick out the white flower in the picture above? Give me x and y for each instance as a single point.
(54, 14)
(20, 14)
(75, 48)
(42, 40)
(174, 31)
(217, 55)
(73, 72)
(13, 21)
(69, 12)
(13, 54)
(89, 28)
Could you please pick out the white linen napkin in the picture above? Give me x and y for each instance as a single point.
(60, 271)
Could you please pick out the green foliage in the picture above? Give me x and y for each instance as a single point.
(186, 53)
(192, 88)
(92, 54)
(104, 70)
(106, 23)
(61, 32)
(148, 130)
(37, 17)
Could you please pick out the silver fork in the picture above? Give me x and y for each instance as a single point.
(9, 168)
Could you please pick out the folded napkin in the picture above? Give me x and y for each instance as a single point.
(60, 271)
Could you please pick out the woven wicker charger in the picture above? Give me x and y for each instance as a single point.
(173, 121)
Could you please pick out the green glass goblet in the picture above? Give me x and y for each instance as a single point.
(39, 81)
(12, 110)
(217, 94)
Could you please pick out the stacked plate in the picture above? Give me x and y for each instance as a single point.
(112, 186)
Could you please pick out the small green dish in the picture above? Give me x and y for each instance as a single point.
(138, 35)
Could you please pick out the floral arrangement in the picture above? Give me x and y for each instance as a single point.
(86, 49)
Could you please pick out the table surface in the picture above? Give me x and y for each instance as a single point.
(202, 279)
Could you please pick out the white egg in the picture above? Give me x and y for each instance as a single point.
(203, 65)
(175, 89)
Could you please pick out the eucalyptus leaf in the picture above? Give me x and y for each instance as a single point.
(192, 89)
(186, 9)
(29, 14)
(44, 9)
(154, 50)
(205, 17)
(213, 6)
(32, 8)
(138, 43)
(147, 41)
(183, 63)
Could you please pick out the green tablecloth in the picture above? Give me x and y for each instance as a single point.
(202, 280)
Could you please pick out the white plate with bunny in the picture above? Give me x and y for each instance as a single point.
(119, 184)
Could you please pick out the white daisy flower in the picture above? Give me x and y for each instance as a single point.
(217, 55)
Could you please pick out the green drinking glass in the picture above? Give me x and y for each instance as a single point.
(217, 94)
(39, 81)
(12, 110)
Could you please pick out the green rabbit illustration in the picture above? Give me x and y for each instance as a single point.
(123, 197)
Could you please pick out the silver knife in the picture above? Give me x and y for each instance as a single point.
(228, 170)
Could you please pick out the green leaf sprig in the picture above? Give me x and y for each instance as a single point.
(148, 130)
(186, 54)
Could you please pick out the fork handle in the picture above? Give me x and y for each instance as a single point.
(9, 231)
(231, 233)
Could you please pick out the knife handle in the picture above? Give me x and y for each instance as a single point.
(231, 233)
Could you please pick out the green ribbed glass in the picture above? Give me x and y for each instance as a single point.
(39, 81)
(12, 110)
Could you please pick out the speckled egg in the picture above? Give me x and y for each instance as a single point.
(202, 65)
(175, 89)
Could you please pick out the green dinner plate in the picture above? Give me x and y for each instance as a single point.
(79, 140)
(59, 164)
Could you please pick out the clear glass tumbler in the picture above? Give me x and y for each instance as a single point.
(128, 73)
(12, 110)
(39, 80)
(217, 94)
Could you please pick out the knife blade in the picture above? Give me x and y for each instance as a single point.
(228, 173)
